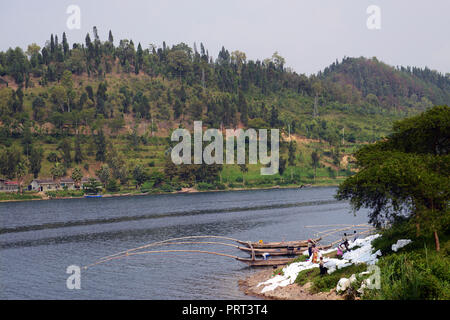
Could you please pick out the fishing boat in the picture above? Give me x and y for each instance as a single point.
(265, 263)
(289, 251)
(275, 245)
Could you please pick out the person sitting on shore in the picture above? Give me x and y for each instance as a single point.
(322, 268)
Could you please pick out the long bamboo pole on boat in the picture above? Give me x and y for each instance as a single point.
(200, 242)
(335, 225)
(342, 229)
(167, 240)
(158, 251)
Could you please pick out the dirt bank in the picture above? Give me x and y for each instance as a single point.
(290, 292)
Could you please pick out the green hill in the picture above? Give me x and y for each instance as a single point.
(97, 103)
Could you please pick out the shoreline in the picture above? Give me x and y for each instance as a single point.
(184, 191)
(249, 286)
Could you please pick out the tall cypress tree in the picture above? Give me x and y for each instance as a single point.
(110, 37)
(65, 45)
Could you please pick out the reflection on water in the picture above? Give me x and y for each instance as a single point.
(38, 240)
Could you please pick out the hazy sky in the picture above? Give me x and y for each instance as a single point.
(309, 34)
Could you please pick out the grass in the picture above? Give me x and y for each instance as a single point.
(300, 258)
(415, 272)
(327, 282)
(13, 196)
(65, 193)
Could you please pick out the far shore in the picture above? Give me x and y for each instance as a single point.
(43, 196)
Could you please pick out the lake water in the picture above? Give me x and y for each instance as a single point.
(40, 239)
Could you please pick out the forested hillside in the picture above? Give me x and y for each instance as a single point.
(112, 105)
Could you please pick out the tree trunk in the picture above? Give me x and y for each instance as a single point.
(436, 241)
(315, 174)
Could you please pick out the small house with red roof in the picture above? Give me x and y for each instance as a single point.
(8, 186)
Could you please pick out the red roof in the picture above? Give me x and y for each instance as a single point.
(11, 183)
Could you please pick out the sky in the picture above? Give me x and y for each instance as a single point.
(310, 35)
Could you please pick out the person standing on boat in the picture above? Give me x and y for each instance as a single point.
(311, 243)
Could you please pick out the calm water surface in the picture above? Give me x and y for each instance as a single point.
(40, 239)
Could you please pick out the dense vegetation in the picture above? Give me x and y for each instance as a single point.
(417, 271)
(405, 181)
(106, 110)
(407, 175)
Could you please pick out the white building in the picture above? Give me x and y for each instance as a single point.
(44, 185)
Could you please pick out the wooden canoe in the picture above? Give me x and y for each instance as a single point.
(275, 245)
(275, 251)
(280, 251)
(265, 263)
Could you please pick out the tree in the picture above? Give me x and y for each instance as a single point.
(112, 186)
(179, 62)
(110, 37)
(38, 105)
(33, 50)
(65, 147)
(77, 176)
(407, 174)
(244, 169)
(104, 174)
(100, 142)
(93, 186)
(116, 124)
(21, 172)
(59, 97)
(36, 156)
(282, 166)
(66, 80)
(65, 45)
(274, 121)
(9, 159)
(292, 150)
(315, 159)
(243, 108)
(177, 109)
(78, 158)
(58, 171)
(139, 175)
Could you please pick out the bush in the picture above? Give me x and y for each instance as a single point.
(205, 186)
(52, 157)
(166, 188)
(414, 276)
(147, 187)
(64, 193)
(113, 186)
(221, 186)
(401, 230)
